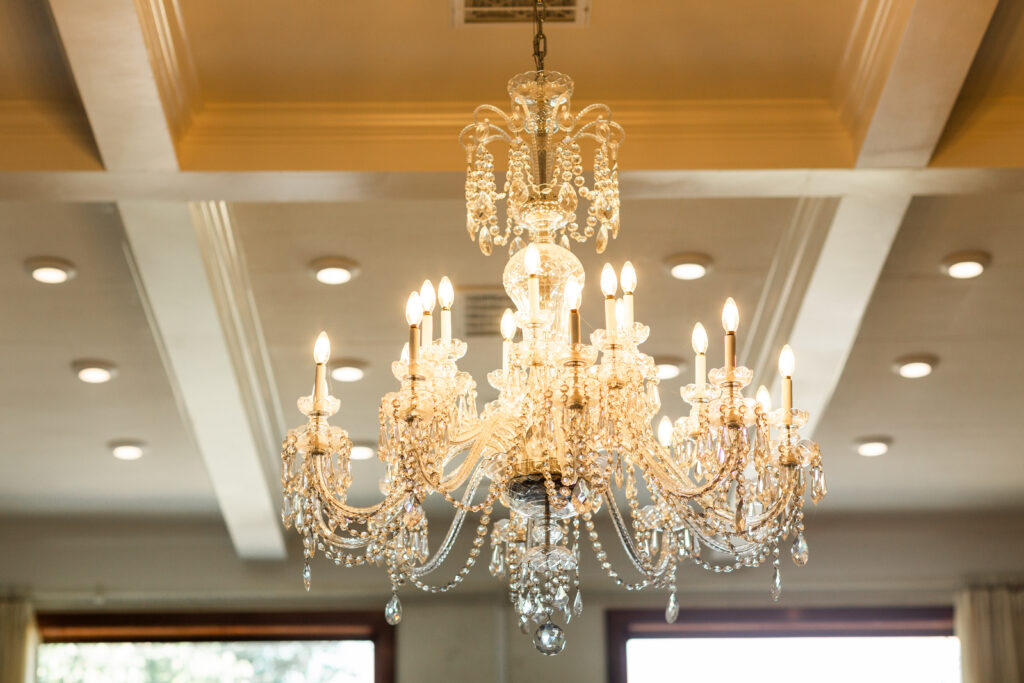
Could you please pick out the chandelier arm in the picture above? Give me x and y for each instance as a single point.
(323, 488)
(497, 133)
(453, 529)
(668, 477)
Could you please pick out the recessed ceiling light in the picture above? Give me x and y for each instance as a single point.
(126, 450)
(362, 452)
(874, 446)
(669, 367)
(50, 270)
(334, 270)
(688, 266)
(915, 367)
(348, 370)
(94, 371)
(964, 265)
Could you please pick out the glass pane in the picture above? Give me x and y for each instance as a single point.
(335, 661)
(794, 660)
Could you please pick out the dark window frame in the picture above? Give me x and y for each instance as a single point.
(621, 625)
(101, 627)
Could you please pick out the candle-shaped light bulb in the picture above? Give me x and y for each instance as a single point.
(321, 354)
(427, 296)
(628, 280)
(609, 283)
(699, 341)
(764, 399)
(413, 309)
(428, 299)
(446, 297)
(573, 294)
(445, 293)
(573, 300)
(730, 316)
(787, 362)
(531, 261)
(322, 349)
(730, 321)
(413, 316)
(665, 431)
(508, 331)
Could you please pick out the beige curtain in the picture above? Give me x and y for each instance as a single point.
(990, 624)
(17, 642)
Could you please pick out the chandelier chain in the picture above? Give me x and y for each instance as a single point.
(540, 41)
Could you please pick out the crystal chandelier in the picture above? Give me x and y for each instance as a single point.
(570, 434)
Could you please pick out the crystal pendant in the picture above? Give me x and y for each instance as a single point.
(561, 598)
(799, 551)
(485, 242)
(602, 240)
(306, 576)
(549, 639)
(393, 610)
(516, 245)
(819, 488)
(577, 604)
(564, 242)
(672, 609)
(775, 591)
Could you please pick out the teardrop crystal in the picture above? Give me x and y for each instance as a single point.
(577, 604)
(775, 591)
(485, 242)
(567, 199)
(799, 551)
(565, 242)
(602, 240)
(306, 576)
(672, 609)
(516, 245)
(393, 610)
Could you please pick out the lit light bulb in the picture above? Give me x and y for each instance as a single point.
(532, 260)
(787, 361)
(445, 293)
(764, 398)
(322, 349)
(730, 316)
(414, 309)
(608, 281)
(665, 431)
(573, 294)
(628, 278)
(699, 339)
(427, 296)
(508, 325)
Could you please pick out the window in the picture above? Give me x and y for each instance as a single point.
(839, 646)
(353, 647)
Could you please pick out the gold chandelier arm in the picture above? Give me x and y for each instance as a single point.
(328, 496)
(655, 461)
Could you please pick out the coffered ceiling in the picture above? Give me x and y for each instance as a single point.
(191, 158)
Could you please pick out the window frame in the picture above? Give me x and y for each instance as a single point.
(172, 627)
(621, 625)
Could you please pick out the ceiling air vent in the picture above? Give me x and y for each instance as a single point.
(518, 11)
(481, 309)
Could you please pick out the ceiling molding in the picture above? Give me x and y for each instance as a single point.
(418, 136)
(37, 136)
(170, 55)
(789, 274)
(231, 291)
(351, 186)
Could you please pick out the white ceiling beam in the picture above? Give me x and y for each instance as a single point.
(172, 273)
(190, 274)
(354, 186)
(104, 45)
(929, 64)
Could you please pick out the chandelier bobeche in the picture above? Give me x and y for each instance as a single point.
(570, 434)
